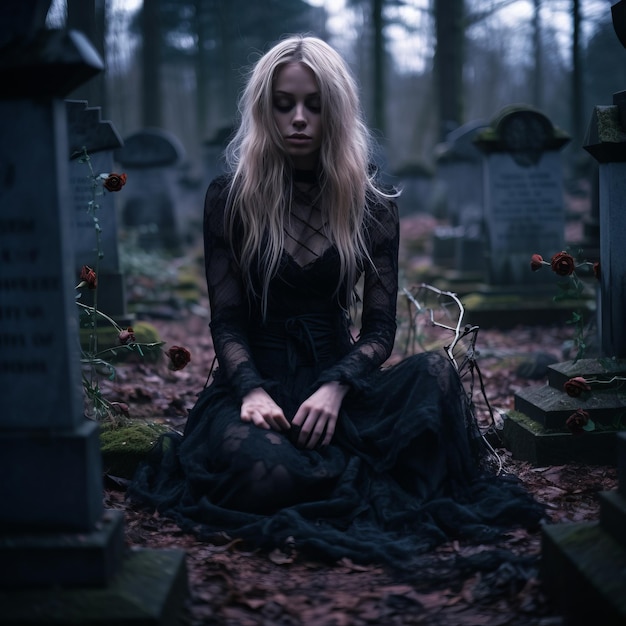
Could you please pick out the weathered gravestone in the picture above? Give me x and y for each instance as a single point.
(62, 556)
(460, 246)
(213, 152)
(523, 193)
(536, 432)
(87, 132)
(523, 214)
(151, 158)
(583, 565)
(416, 181)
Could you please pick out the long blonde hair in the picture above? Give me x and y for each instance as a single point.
(262, 171)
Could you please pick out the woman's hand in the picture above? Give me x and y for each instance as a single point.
(259, 408)
(317, 415)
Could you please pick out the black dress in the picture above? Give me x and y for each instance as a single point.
(404, 471)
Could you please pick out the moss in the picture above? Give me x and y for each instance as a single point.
(609, 128)
(124, 447)
(529, 423)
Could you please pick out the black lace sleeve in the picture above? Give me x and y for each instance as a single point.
(380, 292)
(229, 319)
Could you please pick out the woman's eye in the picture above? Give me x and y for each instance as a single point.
(315, 106)
(283, 105)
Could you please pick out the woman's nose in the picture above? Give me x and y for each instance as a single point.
(299, 117)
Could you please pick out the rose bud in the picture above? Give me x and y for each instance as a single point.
(121, 408)
(127, 336)
(88, 277)
(596, 270)
(536, 262)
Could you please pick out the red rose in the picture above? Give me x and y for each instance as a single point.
(574, 387)
(179, 357)
(563, 264)
(88, 277)
(576, 421)
(121, 408)
(536, 262)
(114, 182)
(127, 336)
(596, 270)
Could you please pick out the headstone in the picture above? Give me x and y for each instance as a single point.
(87, 132)
(460, 166)
(535, 431)
(55, 537)
(524, 212)
(151, 158)
(39, 363)
(606, 142)
(416, 182)
(459, 245)
(213, 152)
(583, 565)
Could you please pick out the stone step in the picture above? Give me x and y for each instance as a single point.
(149, 590)
(601, 368)
(584, 569)
(551, 407)
(621, 462)
(529, 441)
(613, 515)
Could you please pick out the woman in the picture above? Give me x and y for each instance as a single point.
(303, 438)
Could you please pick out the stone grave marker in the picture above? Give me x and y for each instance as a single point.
(151, 158)
(524, 210)
(535, 431)
(606, 142)
(416, 181)
(99, 138)
(583, 564)
(63, 556)
(213, 152)
(460, 245)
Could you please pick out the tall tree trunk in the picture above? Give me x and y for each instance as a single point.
(151, 105)
(378, 118)
(449, 57)
(202, 73)
(88, 17)
(538, 54)
(577, 73)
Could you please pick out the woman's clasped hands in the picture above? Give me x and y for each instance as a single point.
(316, 418)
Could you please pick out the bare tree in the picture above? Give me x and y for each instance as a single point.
(88, 17)
(537, 77)
(448, 62)
(151, 100)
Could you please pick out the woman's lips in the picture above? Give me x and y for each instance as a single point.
(298, 139)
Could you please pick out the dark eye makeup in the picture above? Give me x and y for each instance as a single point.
(284, 103)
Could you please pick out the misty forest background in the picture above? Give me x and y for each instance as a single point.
(425, 67)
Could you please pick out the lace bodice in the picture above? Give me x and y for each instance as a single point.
(304, 285)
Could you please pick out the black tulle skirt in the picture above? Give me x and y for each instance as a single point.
(405, 471)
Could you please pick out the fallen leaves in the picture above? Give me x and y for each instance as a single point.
(232, 586)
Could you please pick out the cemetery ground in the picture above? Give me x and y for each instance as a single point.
(232, 585)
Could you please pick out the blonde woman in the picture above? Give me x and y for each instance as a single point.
(303, 435)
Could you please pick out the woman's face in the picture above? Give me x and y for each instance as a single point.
(297, 108)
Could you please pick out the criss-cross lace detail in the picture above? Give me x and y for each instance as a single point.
(305, 238)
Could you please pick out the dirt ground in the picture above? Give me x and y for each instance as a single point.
(229, 585)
